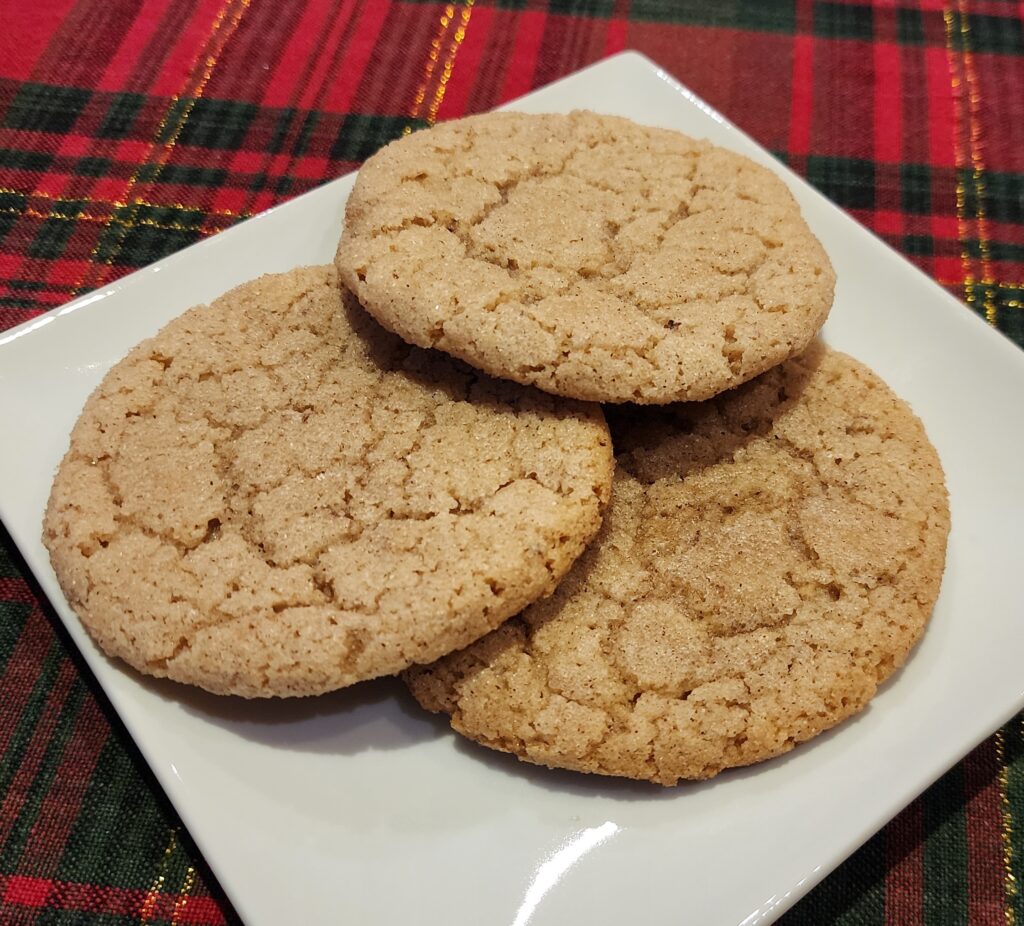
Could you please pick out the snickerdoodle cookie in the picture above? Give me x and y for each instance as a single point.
(768, 558)
(274, 496)
(587, 255)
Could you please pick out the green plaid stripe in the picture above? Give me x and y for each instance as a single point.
(124, 836)
(12, 617)
(214, 123)
(361, 135)
(43, 779)
(849, 182)
(844, 21)
(134, 235)
(945, 852)
(38, 108)
(121, 113)
(189, 122)
(12, 159)
(852, 896)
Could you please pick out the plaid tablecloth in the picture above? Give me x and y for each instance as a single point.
(129, 129)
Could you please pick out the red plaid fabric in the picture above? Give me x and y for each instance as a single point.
(129, 130)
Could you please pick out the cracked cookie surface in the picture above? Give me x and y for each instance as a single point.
(274, 496)
(768, 558)
(587, 255)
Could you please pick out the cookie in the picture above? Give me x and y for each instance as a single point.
(587, 255)
(767, 560)
(276, 497)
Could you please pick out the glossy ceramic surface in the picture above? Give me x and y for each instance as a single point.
(358, 808)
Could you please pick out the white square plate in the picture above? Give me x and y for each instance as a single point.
(356, 807)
